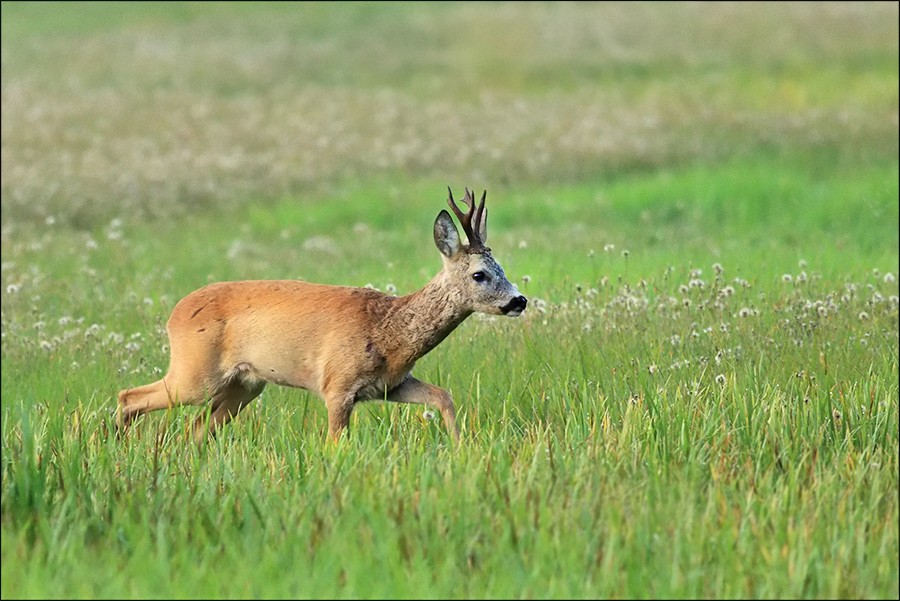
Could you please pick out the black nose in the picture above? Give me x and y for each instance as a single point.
(517, 304)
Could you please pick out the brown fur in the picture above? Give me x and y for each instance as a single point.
(228, 340)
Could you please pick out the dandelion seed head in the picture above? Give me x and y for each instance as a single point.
(720, 379)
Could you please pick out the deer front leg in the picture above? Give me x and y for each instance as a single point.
(412, 390)
(339, 407)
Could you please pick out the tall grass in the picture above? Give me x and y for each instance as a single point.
(700, 203)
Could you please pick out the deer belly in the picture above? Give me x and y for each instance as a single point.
(286, 367)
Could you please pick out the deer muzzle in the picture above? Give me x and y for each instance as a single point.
(515, 307)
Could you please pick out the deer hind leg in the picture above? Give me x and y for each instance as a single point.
(239, 386)
(227, 402)
(187, 383)
(412, 390)
(161, 394)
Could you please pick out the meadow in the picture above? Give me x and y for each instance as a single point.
(701, 203)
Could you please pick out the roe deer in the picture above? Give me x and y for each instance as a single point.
(228, 340)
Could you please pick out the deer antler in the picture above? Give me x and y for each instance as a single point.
(475, 229)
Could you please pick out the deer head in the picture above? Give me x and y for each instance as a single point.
(471, 270)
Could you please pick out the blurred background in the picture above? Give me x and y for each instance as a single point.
(700, 201)
(150, 110)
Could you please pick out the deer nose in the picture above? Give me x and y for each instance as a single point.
(515, 306)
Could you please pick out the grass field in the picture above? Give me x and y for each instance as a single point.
(700, 201)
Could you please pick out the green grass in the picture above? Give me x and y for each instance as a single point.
(701, 204)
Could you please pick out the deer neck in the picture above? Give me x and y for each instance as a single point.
(424, 318)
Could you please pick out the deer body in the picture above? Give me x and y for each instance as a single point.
(228, 340)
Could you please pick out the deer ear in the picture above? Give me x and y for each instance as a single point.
(446, 237)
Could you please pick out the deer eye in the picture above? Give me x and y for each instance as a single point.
(479, 276)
